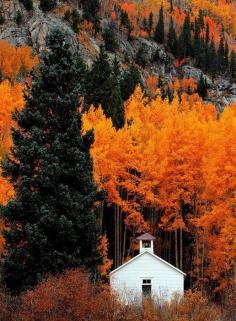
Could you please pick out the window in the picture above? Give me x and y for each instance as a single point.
(146, 244)
(146, 288)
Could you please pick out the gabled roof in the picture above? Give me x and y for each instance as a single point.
(146, 237)
(152, 254)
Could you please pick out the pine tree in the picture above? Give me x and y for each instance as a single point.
(159, 34)
(226, 55)
(185, 39)
(212, 58)
(202, 87)
(110, 40)
(221, 54)
(47, 5)
(207, 36)
(201, 19)
(28, 4)
(150, 24)
(52, 225)
(233, 65)
(90, 12)
(171, 6)
(116, 69)
(172, 38)
(141, 56)
(145, 24)
(125, 22)
(129, 80)
(102, 89)
(197, 41)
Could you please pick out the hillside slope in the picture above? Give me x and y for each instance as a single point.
(156, 59)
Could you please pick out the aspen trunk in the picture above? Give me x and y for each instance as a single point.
(115, 237)
(100, 216)
(124, 243)
(181, 248)
(176, 249)
(202, 265)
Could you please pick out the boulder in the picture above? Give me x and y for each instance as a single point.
(40, 25)
(232, 89)
(195, 73)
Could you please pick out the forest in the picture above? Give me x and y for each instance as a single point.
(95, 152)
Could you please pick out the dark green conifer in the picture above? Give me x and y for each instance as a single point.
(47, 5)
(91, 12)
(159, 34)
(196, 41)
(212, 58)
(102, 89)
(110, 40)
(125, 22)
(129, 80)
(51, 220)
(172, 38)
(150, 24)
(28, 4)
(185, 39)
(233, 65)
(202, 87)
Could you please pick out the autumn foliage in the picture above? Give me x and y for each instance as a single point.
(72, 296)
(177, 161)
(14, 61)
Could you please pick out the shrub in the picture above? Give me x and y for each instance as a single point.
(28, 4)
(2, 19)
(47, 5)
(18, 17)
(110, 40)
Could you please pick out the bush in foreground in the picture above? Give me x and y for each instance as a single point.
(72, 296)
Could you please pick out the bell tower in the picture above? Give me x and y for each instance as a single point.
(146, 243)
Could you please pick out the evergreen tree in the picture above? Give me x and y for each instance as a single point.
(150, 24)
(159, 34)
(145, 24)
(75, 20)
(129, 80)
(212, 58)
(201, 19)
(47, 5)
(90, 12)
(171, 6)
(207, 37)
(141, 56)
(185, 39)
(125, 22)
(221, 54)
(226, 55)
(52, 225)
(116, 69)
(110, 40)
(233, 65)
(197, 41)
(28, 4)
(102, 89)
(18, 17)
(202, 87)
(172, 38)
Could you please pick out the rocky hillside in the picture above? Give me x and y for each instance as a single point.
(21, 26)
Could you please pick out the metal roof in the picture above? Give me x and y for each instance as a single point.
(146, 237)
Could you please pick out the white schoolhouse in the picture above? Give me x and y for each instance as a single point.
(146, 275)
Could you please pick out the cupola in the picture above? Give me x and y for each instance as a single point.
(146, 242)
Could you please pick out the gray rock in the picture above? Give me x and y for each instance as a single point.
(195, 73)
(40, 25)
(232, 89)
